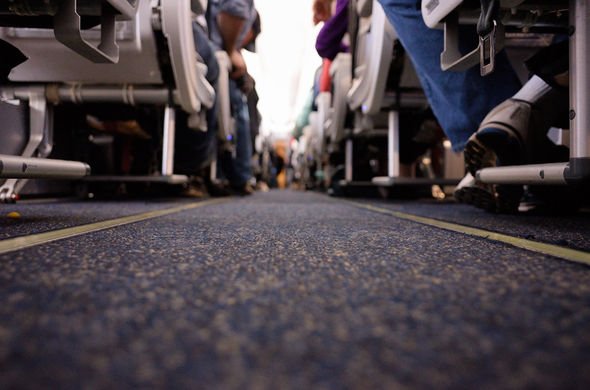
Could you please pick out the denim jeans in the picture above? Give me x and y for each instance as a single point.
(196, 149)
(460, 100)
(241, 165)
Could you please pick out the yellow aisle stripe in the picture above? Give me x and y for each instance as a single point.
(534, 246)
(18, 243)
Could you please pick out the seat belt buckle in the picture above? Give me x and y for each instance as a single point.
(487, 51)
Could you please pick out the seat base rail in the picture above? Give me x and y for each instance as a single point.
(538, 174)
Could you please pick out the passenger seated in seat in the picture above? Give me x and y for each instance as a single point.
(248, 84)
(515, 132)
(195, 149)
(229, 22)
(461, 100)
(329, 40)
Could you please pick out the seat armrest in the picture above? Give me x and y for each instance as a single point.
(224, 116)
(341, 80)
(368, 87)
(67, 24)
(434, 11)
(205, 91)
(177, 27)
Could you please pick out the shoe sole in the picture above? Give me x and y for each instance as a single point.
(504, 199)
(476, 196)
(476, 154)
(488, 201)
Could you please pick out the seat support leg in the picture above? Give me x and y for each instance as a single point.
(348, 160)
(168, 141)
(579, 166)
(40, 141)
(393, 164)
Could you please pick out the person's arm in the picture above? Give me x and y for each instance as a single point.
(329, 40)
(230, 27)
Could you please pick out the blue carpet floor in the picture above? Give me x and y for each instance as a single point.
(290, 290)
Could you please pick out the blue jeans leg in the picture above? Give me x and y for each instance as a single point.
(241, 166)
(460, 100)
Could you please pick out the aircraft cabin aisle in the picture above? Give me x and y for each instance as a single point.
(310, 194)
(290, 289)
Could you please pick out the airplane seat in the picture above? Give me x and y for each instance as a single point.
(380, 66)
(494, 20)
(364, 8)
(140, 41)
(226, 123)
(334, 100)
(68, 19)
(571, 18)
(384, 85)
(157, 65)
(321, 118)
(308, 151)
(374, 52)
(340, 72)
(320, 121)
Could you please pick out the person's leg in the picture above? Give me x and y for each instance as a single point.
(195, 149)
(207, 52)
(460, 100)
(515, 133)
(241, 166)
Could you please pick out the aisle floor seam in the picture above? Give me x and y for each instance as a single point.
(18, 243)
(569, 254)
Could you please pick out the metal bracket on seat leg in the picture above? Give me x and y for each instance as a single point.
(68, 30)
(349, 163)
(168, 142)
(578, 171)
(40, 140)
(452, 59)
(487, 51)
(393, 162)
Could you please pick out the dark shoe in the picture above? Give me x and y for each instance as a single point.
(500, 141)
(477, 194)
(218, 190)
(515, 133)
(244, 190)
(195, 189)
(489, 197)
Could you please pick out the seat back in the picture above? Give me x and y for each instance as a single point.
(364, 8)
(516, 14)
(374, 53)
(341, 82)
(50, 62)
(68, 19)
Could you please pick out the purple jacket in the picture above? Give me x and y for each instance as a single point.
(329, 40)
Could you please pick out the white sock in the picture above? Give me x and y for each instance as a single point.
(533, 90)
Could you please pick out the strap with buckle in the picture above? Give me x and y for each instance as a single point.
(487, 29)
